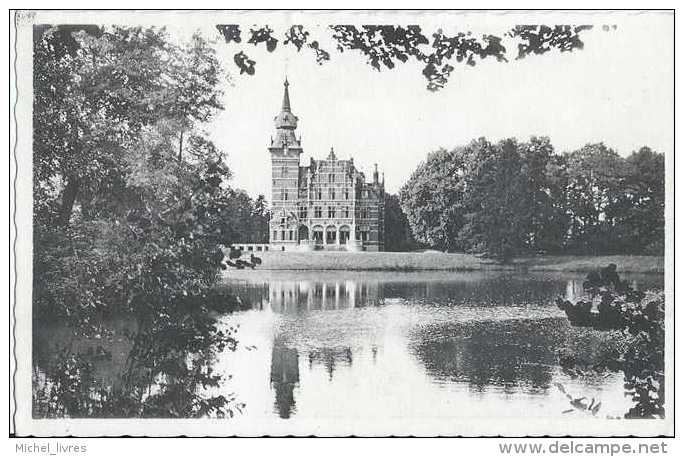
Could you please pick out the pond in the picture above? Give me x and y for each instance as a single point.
(336, 345)
(354, 345)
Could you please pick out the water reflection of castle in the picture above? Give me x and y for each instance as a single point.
(313, 294)
(290, 296)
(284, 377)
(285, 371)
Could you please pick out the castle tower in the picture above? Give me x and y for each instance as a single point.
(326, 205)
(285, 150)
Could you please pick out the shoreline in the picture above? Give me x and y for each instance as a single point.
(436, 261)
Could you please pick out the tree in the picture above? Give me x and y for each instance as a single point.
(124, 224)
(261, 215)
(386, 46)
(596, 180)
(497, 212)
(155, 257)
(398, 236)
(433, 199)
(94, 90)
(191, 91)
(643, 223)
(542, 196)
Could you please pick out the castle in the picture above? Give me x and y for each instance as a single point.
(327, 205)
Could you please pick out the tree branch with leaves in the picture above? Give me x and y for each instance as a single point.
(386, 46)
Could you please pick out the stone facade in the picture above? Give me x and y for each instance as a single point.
(327, 205)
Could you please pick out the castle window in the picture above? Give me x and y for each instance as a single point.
(283, 171)
(282, 235)
(318, 194)
(332, 194)
(275, 235)
(346, 212)
(302, 212)
(290, 235)
(318, 212)
(285, 194)
(331, 177)
(331, 211)
(346, 194)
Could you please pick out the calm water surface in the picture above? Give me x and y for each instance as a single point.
(422, 345)
(384, 345)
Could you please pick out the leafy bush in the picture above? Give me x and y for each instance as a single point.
(641, 316)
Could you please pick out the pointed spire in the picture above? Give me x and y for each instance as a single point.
(286, 96)
(285, 120)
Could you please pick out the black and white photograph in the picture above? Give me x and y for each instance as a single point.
(343, 223)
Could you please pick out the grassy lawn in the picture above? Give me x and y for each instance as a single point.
(625, 263)
(411, 261)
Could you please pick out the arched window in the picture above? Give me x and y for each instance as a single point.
(330, 235)
(303, 233)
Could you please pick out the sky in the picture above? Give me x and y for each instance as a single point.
(617, 90)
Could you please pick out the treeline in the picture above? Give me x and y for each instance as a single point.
(509, 198)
